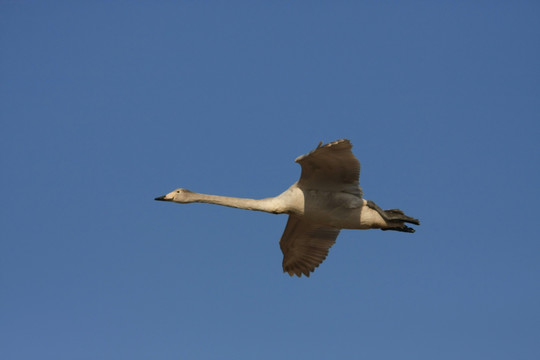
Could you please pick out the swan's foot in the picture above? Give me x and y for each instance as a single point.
(394, 215)
(403, 228)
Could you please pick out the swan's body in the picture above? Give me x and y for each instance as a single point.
(326, 199)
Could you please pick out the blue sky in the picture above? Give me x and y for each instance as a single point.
(106, 105)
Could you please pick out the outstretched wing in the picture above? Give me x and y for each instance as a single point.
(305, 245)
(331, 167)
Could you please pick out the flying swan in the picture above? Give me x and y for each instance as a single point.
(326, 199)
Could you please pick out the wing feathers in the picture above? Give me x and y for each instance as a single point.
(332, 166)
(305, 245)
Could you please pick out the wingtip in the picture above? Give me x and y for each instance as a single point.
(322, 146)
(336, 142)
(297, 272)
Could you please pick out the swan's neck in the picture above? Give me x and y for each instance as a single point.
(271, 205)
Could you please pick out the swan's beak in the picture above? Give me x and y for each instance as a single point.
(162, 198)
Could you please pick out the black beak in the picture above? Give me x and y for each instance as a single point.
(161, 198)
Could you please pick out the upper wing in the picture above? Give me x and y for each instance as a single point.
(331, 167)
(305, 245)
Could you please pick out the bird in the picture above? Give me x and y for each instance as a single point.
(326, 199)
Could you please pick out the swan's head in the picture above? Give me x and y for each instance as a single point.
(178, 195)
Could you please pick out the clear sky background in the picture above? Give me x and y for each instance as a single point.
(106, 105)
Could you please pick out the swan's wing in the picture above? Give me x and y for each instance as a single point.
(305, 245)
(331, 167)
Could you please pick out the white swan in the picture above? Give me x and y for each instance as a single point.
(326, 199)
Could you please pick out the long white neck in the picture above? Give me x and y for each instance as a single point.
(271, 205)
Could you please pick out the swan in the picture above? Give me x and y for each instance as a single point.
(326, 199)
